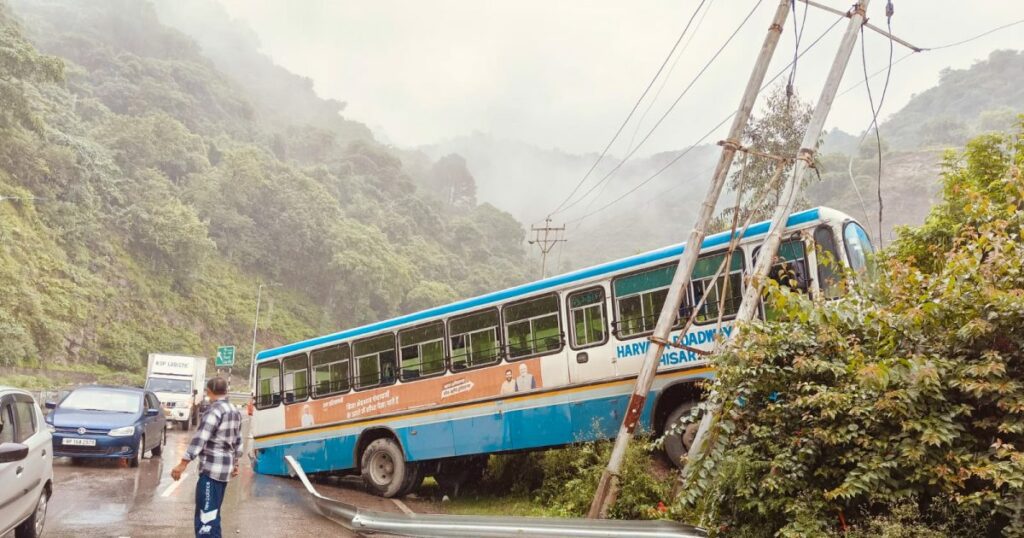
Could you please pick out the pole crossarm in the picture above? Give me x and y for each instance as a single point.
(867, 25)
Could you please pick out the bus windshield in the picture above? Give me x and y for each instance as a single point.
(858, 247)
(163, 384)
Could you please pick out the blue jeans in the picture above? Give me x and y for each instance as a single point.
(209, 495)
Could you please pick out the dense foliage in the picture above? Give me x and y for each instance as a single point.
(900, 408)
(563, 480)
(155, 190)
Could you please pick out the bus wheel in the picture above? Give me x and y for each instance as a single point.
(384, 468)
(414, 478)
(453, 474)
(677, 444)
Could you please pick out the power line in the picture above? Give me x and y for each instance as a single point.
(667, 112)
(875, 111)
(664, 80)
(707, 134)
(979, 36)
(632, 111)
(773, 79)
(927, 49)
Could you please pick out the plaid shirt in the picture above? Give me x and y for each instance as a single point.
(218, 441)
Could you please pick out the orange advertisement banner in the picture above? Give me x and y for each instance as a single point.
(503, 379)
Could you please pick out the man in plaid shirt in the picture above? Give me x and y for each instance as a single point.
(218, 445)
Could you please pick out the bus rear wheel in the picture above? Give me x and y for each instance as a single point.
(452, 474)
(384, 468)
(678, 444)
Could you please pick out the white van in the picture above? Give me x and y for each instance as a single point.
(26, 464)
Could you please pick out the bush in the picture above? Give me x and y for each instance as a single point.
(902, 397)
(563, 480)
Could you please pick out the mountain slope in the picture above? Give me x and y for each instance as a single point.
(158, 190)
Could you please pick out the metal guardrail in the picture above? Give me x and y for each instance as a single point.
(441, 525)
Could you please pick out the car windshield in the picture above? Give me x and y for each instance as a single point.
(103, 400)
(160, 384)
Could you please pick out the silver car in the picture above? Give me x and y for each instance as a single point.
(26, 464)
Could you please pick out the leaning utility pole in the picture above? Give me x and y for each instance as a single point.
(804, 160)
(607, 488)
(552, 237)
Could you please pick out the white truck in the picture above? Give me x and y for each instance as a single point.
(178, 382)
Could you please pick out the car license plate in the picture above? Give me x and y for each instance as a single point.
(79, 442)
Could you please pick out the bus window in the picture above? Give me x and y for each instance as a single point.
(639, 298)
(702, 283)
(268, 389)
(828, 260)
(474, 340)
(858, 247)
(375, 361)
(330, 370)
(422, 350)
(532, 327)
(790, 268)
(295, 378)
(586, 313)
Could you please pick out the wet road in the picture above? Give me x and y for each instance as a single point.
(98, 498)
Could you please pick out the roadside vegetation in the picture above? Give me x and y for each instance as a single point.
(899, 410)
(561, 483)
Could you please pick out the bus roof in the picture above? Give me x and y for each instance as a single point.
(671, 251)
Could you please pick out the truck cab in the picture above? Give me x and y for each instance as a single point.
(177, 381)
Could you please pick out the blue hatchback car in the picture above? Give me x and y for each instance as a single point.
(107, 422)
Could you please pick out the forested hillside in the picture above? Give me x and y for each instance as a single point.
(153, 190)
(967, 102)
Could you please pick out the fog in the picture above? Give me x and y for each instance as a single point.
(530, 92)
(564, 74)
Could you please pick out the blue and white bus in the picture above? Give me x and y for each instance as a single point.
(538, 365)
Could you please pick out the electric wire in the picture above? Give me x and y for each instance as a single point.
(666, 113)
(927, 49)
(706, 135)
(632, 111)
(665, 79)
(772, 80)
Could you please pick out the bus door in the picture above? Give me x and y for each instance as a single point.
(590, 355)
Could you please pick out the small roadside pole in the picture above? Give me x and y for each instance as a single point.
(607, 487)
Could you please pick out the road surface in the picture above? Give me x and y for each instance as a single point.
(99, 498)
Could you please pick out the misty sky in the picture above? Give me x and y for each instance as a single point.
(564, 74)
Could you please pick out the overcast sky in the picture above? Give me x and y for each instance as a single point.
(564, 74)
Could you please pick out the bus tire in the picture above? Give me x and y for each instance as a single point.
(677, 445)
(455, 473)
(414, 478)
(384, 468)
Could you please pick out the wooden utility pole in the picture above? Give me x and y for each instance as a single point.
(551, 237)
(804, 161)
(607, 488)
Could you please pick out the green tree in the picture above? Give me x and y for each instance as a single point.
(20, 67)
(777, 131)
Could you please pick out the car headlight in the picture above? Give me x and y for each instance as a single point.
(122, 432)
(50, 428)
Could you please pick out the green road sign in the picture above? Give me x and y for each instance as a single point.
(225, 356)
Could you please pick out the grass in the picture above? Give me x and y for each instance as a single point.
(475, 503)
